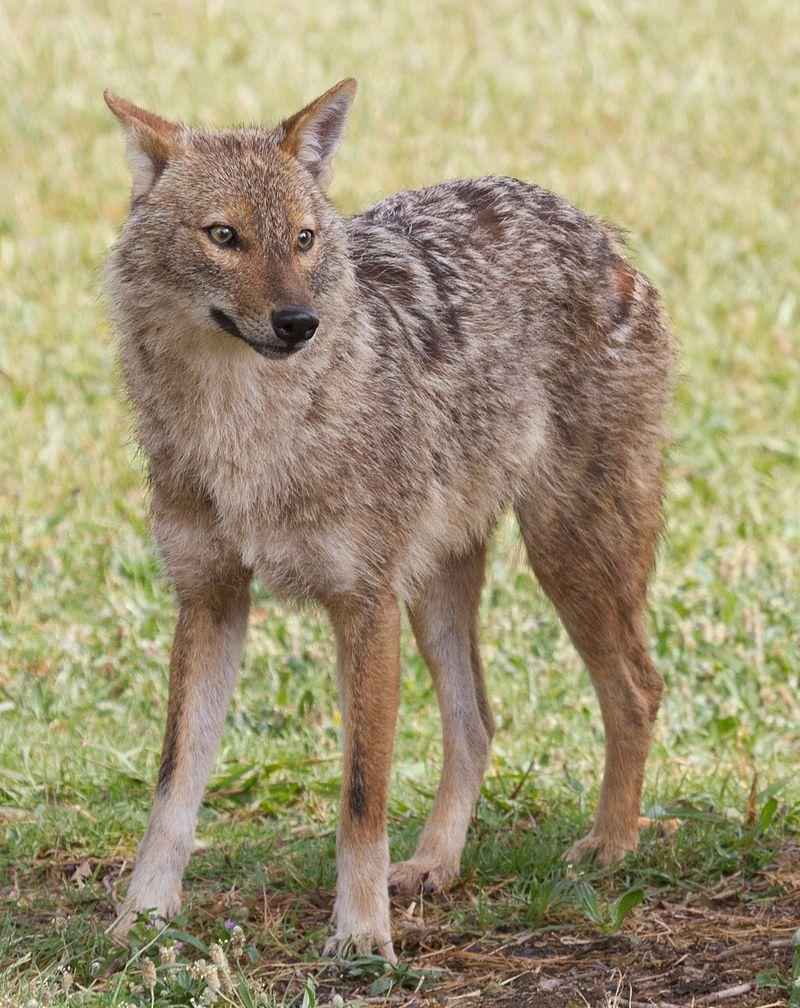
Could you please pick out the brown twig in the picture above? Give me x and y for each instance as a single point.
(723, 995)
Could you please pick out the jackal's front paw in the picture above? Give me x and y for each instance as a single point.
(356, 945)
(163, 902)
(408, 878)
(361, 934)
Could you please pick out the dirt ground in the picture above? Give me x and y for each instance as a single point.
(723, 946)
(730, 945)
(692, 953)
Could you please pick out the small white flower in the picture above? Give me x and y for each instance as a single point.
(197, 970)
(149, 973)
(212, 978)
(237, 942)
(168, 955)
(220, 960)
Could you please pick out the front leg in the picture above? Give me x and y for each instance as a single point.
(206, 652)
(368, 639)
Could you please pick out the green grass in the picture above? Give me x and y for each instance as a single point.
(677, 121)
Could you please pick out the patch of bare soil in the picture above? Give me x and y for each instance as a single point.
(702, 952)
(719, 947)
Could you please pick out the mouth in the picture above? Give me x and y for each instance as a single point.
(269, 350)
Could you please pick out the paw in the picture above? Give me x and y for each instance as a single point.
(360, 942)
(163, 903)
(665, 829)
(408, 878)
(356, 945)
(605, 849)
(361, 931)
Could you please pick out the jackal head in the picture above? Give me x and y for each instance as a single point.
(230, 232)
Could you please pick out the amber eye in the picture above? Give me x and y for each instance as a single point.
(305, 239)
(221, 234)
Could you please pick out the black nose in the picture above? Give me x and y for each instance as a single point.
(294, 325)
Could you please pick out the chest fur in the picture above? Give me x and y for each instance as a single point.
(273, 485)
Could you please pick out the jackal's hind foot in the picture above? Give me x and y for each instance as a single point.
(409, 878)
(610, 847)
(607, 847)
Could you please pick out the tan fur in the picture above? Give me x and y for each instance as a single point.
(444, 619)
(368, 639)
(206, 652)
(481, 346)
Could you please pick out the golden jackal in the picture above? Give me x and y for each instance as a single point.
(344, 408)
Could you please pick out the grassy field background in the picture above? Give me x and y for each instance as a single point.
(676, 120)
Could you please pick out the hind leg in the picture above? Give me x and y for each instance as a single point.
(629, 690)
(444, 619)
(592, 555)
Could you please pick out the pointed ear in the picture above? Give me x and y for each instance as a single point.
(313, 134)
(151, 142)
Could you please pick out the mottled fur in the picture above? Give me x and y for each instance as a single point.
(482, 345)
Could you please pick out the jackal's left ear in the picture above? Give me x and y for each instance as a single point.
(313, 134)
(152, 141)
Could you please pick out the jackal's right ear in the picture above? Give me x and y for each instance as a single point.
(313, 134)
(152, 141)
